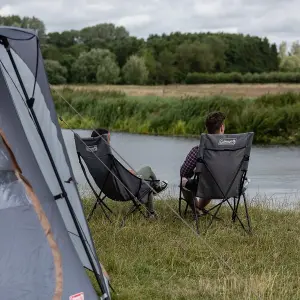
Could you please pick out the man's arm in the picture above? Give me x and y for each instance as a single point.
(187, 169)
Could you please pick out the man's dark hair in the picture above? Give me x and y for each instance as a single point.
(214, 121)
(99, 131)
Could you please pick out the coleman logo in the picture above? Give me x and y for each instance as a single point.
(91, 148)
(227, 142)
(79, 296)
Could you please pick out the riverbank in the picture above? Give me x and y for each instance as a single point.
(164, 259)
(275, 119)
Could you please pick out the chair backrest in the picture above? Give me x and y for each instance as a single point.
(222, 164)
(108, 173)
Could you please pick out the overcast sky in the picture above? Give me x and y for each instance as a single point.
(277, 19)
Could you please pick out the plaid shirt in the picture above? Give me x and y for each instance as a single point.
(187, 169)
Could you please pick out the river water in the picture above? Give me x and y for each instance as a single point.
(274, 171)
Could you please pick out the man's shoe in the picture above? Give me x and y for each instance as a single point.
(152, 215)
(161, 186)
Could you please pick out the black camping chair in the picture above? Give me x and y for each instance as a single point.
(222, 165)
(113, 179)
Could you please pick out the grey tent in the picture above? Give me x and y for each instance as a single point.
(46, 245)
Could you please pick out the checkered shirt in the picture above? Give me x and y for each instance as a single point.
(187, 169)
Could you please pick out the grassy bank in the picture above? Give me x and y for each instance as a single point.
(275, 119)
(164, 259)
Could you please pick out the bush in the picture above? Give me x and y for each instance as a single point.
(57, 74)
(135, 70)
(271, 77)
(108, 71)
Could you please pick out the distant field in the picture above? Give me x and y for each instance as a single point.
(233, 90)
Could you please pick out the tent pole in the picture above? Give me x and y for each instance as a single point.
(30, 101)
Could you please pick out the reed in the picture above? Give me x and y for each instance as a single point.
(274, 119)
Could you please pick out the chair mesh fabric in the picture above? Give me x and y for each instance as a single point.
(108, 173)
(221, 162)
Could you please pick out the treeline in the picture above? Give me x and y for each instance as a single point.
(274, 119)
(106, 53)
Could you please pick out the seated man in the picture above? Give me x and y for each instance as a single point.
(144, 173)
(214, 125)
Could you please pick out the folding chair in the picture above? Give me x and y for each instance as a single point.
(222, 165)
(113, 179)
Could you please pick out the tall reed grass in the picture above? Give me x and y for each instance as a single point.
(275, 119)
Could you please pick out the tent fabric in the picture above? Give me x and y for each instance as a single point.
(222, 158)
(14, 189)
(16, 121)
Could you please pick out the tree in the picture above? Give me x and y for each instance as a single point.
(282, 50)
(135, 70)
(290, 64)
(35, 23)
(55, 71)
(151, 65)
(108, 71)
(295, 49)
(165, 67)
(86, 66)
(195, 57)
(102, 35)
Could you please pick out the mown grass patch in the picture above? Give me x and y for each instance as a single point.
(164, 259)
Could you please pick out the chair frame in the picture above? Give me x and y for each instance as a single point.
(101, 197)
(225, 199)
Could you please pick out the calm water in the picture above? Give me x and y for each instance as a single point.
(274, 171)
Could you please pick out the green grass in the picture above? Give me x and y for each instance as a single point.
(164, 259)
(274, 119)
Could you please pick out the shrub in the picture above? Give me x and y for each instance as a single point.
(135, 70)
(56, 73)
(272, 77)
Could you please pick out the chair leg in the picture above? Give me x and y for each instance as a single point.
(179, 206)
(92, 211)
(214, 216)
(131, 210)
(186, 208)
(247, 215)
(195, 214)
(234, 208)
(103, 205)
(134, 208)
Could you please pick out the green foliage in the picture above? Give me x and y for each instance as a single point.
(87, 65)
(135, 70)
(108, 71)
(270, 77)
(25, 22)
(273, 118)
(56, 72)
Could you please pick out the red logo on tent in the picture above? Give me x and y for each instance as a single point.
(79, 296)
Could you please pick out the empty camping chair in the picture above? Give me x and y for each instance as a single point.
(222, 165)
(113, 179)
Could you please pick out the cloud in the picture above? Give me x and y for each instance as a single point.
(276, 19)
(134, 21)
